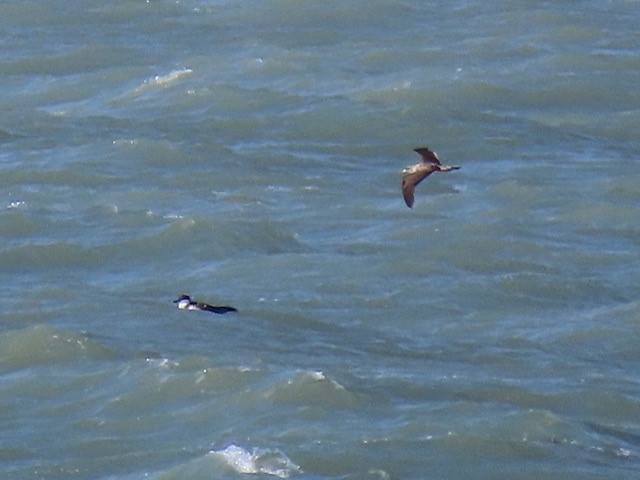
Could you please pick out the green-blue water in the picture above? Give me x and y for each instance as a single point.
(249, 153)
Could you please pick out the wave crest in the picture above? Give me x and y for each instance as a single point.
(266, 461)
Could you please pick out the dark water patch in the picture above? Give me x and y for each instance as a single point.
(618, 434)
(196, 237)
(606, 339)
(312, 389)
(18, 224)
(161, 385)
(71, 176)
(533, 288)
(8, 135)
(43, 345)
(17, 454)
(619, 126)
(59, 255)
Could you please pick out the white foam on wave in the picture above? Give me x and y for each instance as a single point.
(161, 80)
(317, 376)
(170, 77)
(162, 362)
(266, 461)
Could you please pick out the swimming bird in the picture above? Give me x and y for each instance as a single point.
(414, 174)
(185, 303)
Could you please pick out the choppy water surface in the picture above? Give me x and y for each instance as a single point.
(249, 153)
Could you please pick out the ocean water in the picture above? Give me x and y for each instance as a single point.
(249, 153)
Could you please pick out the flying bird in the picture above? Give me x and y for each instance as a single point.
(414, 174)
(185, 303)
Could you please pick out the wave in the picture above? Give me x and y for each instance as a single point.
(312, 388)
(162, 80)
(45, 345)
(209, 239)
(262, 461)
(270, 462)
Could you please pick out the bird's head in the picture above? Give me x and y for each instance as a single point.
(181, 298)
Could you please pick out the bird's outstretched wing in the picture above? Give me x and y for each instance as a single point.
(427, 155)
(409, 182)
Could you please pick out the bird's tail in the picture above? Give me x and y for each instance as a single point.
(446, 168)
(219, 309)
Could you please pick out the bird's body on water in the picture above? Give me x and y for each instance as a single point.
(184, 302)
